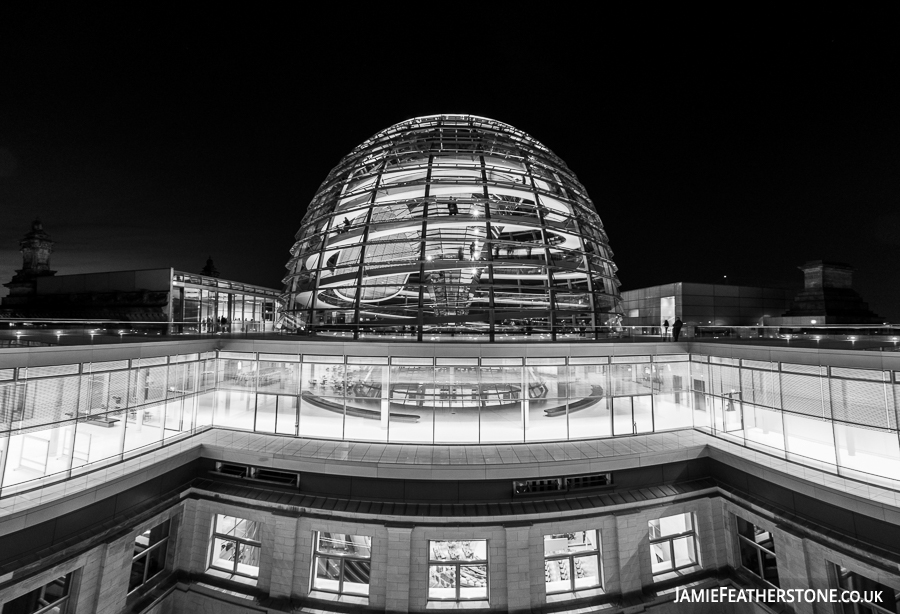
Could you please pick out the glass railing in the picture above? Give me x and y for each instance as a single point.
(52, 332)
(54, 420)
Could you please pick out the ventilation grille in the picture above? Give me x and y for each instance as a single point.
(259, 474)
(561, 484)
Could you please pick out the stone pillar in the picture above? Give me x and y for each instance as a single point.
(518, 569)
(114, 576)
(793, 569)
(285, 543)
(398, 569)
(632, 537)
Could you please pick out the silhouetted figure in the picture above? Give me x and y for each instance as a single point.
(666, 326)
(346, 224)
(452, 208)
(472, 250)
(676, 328)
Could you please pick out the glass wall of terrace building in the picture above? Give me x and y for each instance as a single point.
(202, 304)
(61, 420)
(65, 420)
(453, 226)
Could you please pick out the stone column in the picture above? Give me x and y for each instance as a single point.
(518, 569)
(398, 569)
(285, 543)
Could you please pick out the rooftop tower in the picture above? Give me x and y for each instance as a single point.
(451, 225)
(36, 247)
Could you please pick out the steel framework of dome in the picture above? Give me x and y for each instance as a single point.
(451, 225)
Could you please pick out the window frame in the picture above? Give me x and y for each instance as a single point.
(237, 541)
(343, 559)
(671, 541)
(62, 603)
(457, 571)
(854, 579)
(163, 543)
(571, 556)
(743, 539)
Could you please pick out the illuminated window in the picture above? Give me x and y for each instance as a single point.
(457, 570)
(757, 551)
(673, 543)
(149, 560)
(571, 562)
(51, 598)
(235, 547)
(851, 581)
(343, 563)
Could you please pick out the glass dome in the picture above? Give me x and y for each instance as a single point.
(451, 226)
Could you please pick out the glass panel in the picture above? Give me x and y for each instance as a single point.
(344, 544)
(136, 578)
(367, 402)
(467, 550)
(248, 560)
(156, 560)
(770, 569)
(237, 527)
(322, 401)
(643, 413)
(356, 577)
(287, 415)
(809, 438)
(328, 574)
(763, 427)
(546, 398)
(661, 557)
(234, 409)
(442, 582)
(684, 551)
(568, 543)
(265, 412)
(557, 575)
(586, 572)
(473, 582)
(223, 554)
(671, 405)
(413, 398)
(867, 450)
(671, 525)
(623, 423)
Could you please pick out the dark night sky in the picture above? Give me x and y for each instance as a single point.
(742, 154)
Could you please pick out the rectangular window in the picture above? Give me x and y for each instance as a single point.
(235, 547)
(457, 570)
(343, 563)
(572, 562)
(852, 581)
(757, 548)
(149, 555)
(673, 543)
(52, 597)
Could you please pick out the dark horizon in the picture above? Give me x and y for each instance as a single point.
(743, 155)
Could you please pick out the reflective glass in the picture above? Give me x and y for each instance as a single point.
(375, 232)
